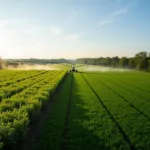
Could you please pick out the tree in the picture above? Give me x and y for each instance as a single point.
(141, 60)
(141, 55)
(149, 65)
(114, 61)
(143, 64)
(123, 62)
(149, 55)
(108, 61)
(132, 63)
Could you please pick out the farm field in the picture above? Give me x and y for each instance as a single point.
(23, 94)
(90, 110)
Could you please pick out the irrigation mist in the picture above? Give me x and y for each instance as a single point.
(93, 68)
(34, 67)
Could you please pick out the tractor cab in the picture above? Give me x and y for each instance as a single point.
(73, 69)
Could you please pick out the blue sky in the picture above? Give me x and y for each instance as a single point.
(73, 28)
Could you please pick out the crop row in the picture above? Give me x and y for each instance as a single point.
(7, 75)
(8, 91)
(83, 122)
(20, 76)
(134, 123)
(91, 126)
(10, 74)
(24, 108)
(54, 125)
(138, 80)
(139, 99)
(143, 95)
(19, 99)
(95, 114)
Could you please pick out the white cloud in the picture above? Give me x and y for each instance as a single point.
(120, 12)
(112, 17)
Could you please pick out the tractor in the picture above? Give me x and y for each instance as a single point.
(73, 69)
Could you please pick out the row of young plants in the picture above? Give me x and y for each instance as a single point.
(26, 106)
(90, 124)
(138, 80)
(118, 101)
(52, 130)
(142, 94)
(11, 75)
(137, 98)
(19, 99)
(18, 77)
(8, 91)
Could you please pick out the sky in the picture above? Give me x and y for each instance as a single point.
(73, 28)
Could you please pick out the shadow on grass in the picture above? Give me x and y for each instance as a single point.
(80, 135)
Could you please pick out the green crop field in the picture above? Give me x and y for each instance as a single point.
(22, 96)
(89, 110)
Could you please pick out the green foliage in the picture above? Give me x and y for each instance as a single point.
(149, 64)
(123, 62)
(22, 98)
(143, 63)
(140, 61)
(126, 97)
(51, 133)
(114, 118)
(132, 63)
(91, 125)
(16, 62)
(13, 127)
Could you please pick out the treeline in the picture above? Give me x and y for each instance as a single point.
(4, 63)
(37, 61)
(140, 61)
